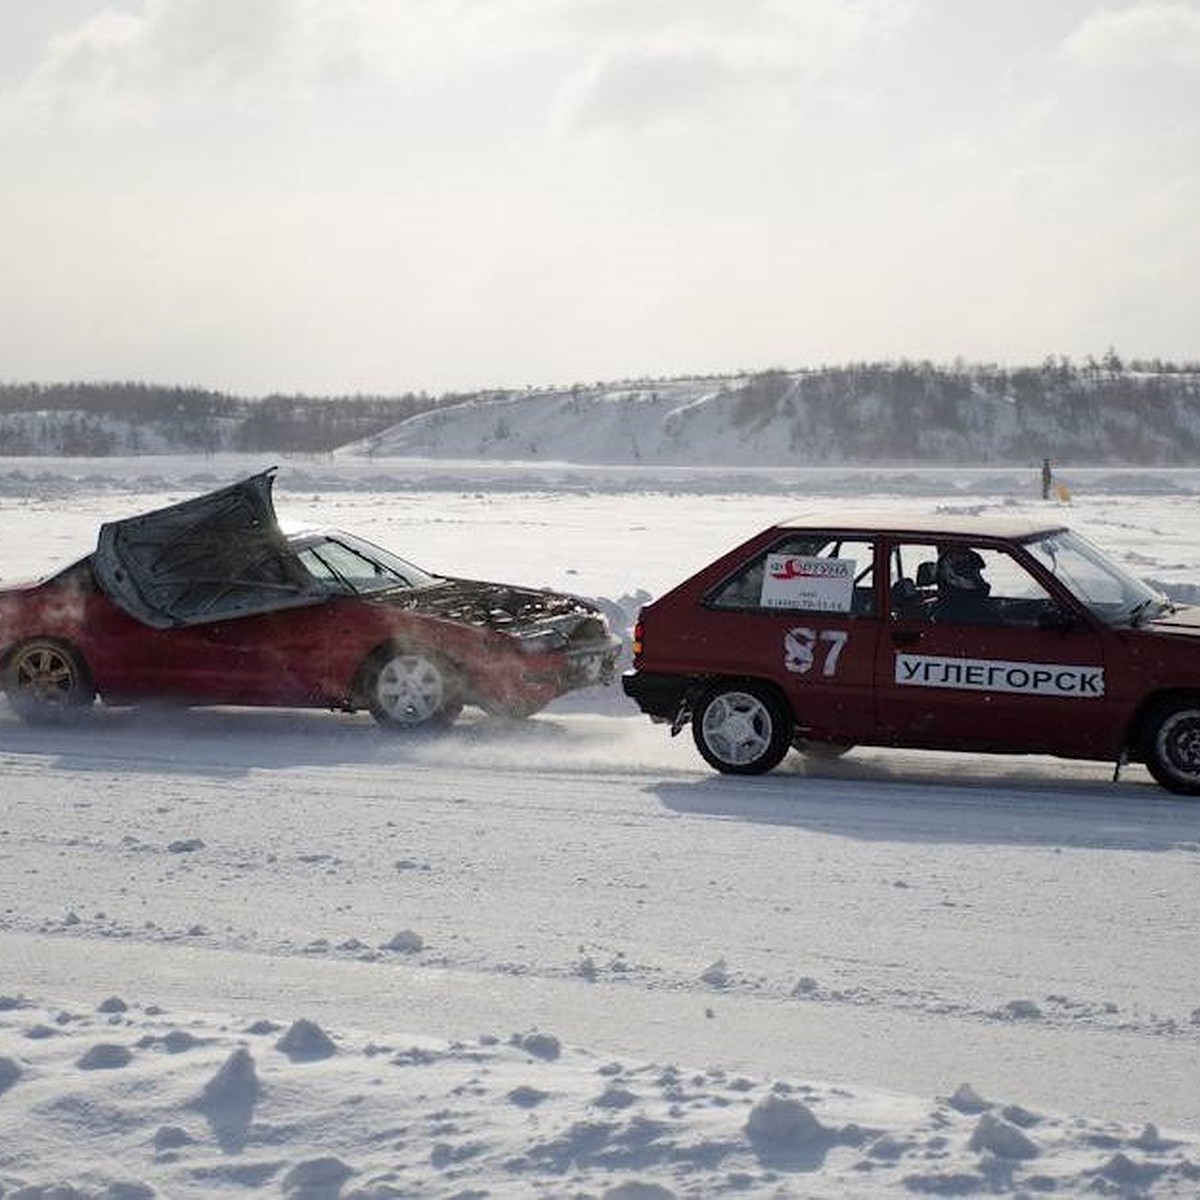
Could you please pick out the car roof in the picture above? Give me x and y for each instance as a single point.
(1015, 527)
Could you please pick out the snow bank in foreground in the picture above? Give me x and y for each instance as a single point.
(128, 1101)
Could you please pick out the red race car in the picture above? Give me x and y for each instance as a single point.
(993, 635)
(208, 602)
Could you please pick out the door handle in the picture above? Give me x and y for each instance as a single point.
(905, 637)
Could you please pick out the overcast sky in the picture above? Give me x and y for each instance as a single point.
(389, 195)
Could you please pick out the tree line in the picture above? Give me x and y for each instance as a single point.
(131, 418)
(1101, 409)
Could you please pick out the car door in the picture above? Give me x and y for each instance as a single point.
(267, 658)
(804, 614)
(1011, 668)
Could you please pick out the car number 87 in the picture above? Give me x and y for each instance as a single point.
(803, 646)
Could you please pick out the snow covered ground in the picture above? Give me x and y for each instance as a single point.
(285, 953)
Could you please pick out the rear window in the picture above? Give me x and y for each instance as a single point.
(803, 572)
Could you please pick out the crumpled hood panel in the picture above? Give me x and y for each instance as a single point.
(494, 605)
(214, 557)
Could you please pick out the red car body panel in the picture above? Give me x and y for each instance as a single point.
(305, 657)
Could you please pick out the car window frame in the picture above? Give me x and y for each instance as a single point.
(825, 538)
(1060, 601)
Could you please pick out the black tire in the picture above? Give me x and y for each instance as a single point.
(410, 688)
(47, 681)
(742, 728)
(1171, 745)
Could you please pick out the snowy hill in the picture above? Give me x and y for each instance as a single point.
(887, 414)
(904, 414)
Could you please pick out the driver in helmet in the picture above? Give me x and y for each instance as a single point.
(962, 592)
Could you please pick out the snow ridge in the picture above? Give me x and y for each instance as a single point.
(195, 1104)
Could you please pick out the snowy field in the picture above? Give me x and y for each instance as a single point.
(289, 954)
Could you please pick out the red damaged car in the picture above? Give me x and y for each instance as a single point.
(992, 635)
(208, 602)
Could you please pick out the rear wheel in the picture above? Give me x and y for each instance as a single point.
(1171, 746)
(742, 729)
(47, 681)
(410, 689)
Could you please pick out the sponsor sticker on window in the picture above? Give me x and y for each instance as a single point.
(812, 584)
(1069, 680)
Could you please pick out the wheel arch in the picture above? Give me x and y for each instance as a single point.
(362, 673)
(1139, 725)
(706, 683)
(389, 647)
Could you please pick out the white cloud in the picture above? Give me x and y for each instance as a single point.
(659, 60)
(165, 55)
(302, 192)
(636, 88)
(211, 55)
(1147, 36)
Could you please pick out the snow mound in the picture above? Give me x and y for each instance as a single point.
(237, 1109)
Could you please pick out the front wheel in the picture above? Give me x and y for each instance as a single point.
(1171, 746)
(742, 729)
(47, 681)
(410, 689)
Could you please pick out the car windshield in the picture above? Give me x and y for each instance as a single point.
(348, 564)
(1110, 592)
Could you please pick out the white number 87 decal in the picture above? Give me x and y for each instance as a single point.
(802, 645)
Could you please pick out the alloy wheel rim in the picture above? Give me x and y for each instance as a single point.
(737, 728)
(410, 689)
(45, 676)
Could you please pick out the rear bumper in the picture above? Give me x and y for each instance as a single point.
(658, 696)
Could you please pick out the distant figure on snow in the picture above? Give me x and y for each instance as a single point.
(1047, 478)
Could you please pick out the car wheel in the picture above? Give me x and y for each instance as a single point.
(47, 681)
(742, 729)
(1171, 746)
(411, 689)
(823, 751)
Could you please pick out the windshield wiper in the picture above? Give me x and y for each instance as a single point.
(1139, 611)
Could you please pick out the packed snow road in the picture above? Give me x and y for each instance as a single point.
(894, 920)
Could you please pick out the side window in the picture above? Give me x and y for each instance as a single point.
(912, 587)
(808, 573)
(963, 585)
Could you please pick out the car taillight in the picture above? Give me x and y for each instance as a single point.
(637, 639)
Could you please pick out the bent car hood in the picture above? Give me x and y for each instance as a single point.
(218, 556)
(496, 605)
